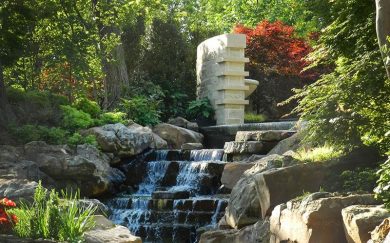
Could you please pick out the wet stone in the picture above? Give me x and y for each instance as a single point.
(170, 195)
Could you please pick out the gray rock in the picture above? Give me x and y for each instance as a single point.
(290, 143)
(177, 136)
(317, 220)
(192, 146)
(106, 231)
(381, 232)
(126, 141)
(184, 123)
(232, 173)
(256, 233)
(360, 220)
(17, 189)
(267, 135)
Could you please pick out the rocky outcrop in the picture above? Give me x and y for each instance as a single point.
(257, 233)
(290, 143)
(244, 203)
(126, 141)
(315, 219)
(269, 183)
(232, 173)
(177, 136)
(267, 135)
(360, 220)
(106, 231)
(58, 166)
(381, 233)
(184, 123)
(17, 188)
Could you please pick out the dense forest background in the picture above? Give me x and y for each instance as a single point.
(138, 57)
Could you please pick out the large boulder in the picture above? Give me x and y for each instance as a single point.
(84, 167)
(106, 231)
(315, 219)
(184, 123)
(17, 189)
(360, 220)
(244, 202)
(177, 136)
(381, 233)
(57, 166)
(257, 233)
(232, 173)
(126, 141)
(287, 144)
(263, 187)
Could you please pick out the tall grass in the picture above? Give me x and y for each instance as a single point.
(254, 118)
(317, 154)
(50, 217)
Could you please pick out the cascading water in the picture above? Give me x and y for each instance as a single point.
(172, 219)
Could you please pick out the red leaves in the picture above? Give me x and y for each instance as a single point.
(274, 49)
(7, 220)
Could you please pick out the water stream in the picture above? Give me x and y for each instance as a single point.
(170, 219)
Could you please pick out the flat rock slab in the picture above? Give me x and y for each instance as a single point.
(170, 195)
(360, 220)
(250, 147)
(268, 135)
(192, 146)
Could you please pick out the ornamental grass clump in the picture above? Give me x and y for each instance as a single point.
(50, 217)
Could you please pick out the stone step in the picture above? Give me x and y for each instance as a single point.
(267, 135)
(170, 195)
(248, 148)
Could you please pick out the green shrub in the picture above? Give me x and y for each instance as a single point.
(16, 95)
(74, 119)
(28, 133)
(254, 118)
(200, 109)
(141, 110)
(112, 118)
(317, 154)
(77, 139)
(382, 191)
(50, 217)
(360, 179)
(88, 106)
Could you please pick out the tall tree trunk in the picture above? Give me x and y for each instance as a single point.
(116, 77)
(383, 30)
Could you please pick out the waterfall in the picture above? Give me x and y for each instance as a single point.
(155, 173)
(190, 174)
(206, 155)
(214, 218)
(161, 155)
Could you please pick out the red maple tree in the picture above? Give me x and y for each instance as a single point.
(277, 60)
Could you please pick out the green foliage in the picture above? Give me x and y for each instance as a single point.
(28, 133)
(360, 179)
(141, 110)
(200, 109)
(50, 217)
(88, 106)
(112, 118)
(77, 139)
(254, 118)
(317, 154)
(75, 119)
(350, 105)
(382, 191)
(17, 95)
